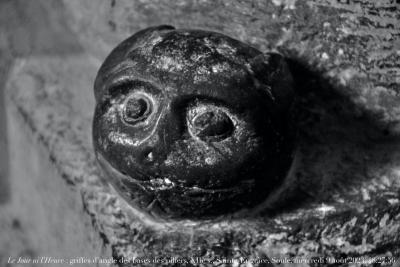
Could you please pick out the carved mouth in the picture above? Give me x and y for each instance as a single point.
(164, 183)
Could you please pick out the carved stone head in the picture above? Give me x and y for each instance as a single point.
(192, 123)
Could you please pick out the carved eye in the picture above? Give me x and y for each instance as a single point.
(212, 125)
(137, 108)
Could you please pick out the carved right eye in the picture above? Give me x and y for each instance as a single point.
(137, 108)
(213, 125)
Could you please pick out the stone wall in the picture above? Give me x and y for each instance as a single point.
(345, 59)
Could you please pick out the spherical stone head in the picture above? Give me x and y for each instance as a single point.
(192, 123)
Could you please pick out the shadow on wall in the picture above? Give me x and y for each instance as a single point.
(339, 146)
(28, 28)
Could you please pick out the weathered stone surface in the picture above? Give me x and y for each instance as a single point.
(48, 208)
(5, 62)
(346, 181)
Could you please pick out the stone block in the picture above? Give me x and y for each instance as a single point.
(347, 173)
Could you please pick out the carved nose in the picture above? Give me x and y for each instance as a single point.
(152, 150)
(148, 155)
(157, 147)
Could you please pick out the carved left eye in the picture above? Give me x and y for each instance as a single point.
(212, 125)
(137, 108)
